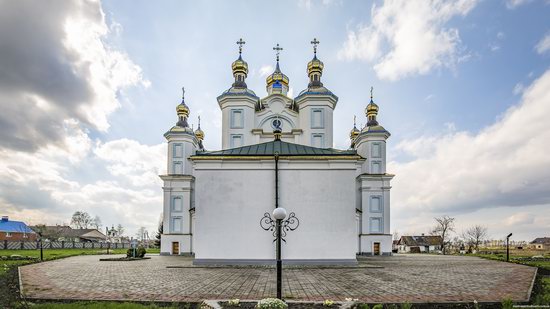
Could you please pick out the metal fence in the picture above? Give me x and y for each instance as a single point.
(20, 245)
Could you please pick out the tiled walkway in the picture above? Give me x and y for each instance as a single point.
(413, 278)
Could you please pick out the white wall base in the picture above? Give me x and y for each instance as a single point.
(185, 244)
(368, 240)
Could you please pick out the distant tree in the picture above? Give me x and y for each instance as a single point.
(443, 227)
(159, 232)
(51, 233)
(119, 230)
(396, 235)
(142, 234)
(81, 220)
(96, 222)
(474, 236)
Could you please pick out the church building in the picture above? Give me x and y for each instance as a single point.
(276, 151)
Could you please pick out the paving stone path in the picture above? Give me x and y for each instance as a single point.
(413, 278)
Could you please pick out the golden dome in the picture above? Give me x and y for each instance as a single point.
(354, 132)
(315, 66)
(239, 66)
(277, 75)
(182, 109)
(372, 109)
(199, 134)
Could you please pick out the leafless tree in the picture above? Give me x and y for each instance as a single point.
(81, 220)
(119, 230)
(96, 222)
(475, 235)
(443, 227)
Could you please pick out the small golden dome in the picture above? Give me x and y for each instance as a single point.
(239, 66)
(182, 109)
(354, 132)
(199, 134)
(315, 66)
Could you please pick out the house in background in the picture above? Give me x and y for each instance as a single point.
(541, 243)
(419, 244)
(66, 233)
(15, 231)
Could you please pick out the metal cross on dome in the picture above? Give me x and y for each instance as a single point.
(315, 42)
(240, 42)
(278, 49)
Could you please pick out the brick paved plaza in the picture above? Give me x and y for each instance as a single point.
(413, 278)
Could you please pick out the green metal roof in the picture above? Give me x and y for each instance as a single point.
(282, 148)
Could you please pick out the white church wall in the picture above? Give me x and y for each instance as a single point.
(232, 196)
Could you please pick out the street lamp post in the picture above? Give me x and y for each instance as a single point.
(279, 227)
(508, 247)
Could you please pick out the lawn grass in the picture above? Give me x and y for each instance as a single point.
(52, 254)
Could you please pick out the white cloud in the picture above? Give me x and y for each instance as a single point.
(308, 4)
(62, 71)
(140, 164)
(408, 37)
(520, 219)
(504, 165)
(543, 45)
(265, 70)
(512, 4)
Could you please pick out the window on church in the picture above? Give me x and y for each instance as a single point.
(177, 225)
(375, 168)
(317, 140)
(317, 119)
(178, 168)
(178, 151)
(376, 204)
(376, 150)
(177, 203)
(236, 140)
(376, 225)
(237, 119)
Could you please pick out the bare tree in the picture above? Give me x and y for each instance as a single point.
(443, 227)
(96, 222)
(142, 233)
(81, 220)
(474, 235)
(119, 230)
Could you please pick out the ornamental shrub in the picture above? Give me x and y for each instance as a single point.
(271, 303)
(140, 252)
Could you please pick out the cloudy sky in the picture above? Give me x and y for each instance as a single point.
(88, 88)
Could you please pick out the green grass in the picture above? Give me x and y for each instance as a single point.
(94, 305)
(517, 258)
(52, 254)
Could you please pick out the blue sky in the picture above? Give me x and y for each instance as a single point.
(450, 78)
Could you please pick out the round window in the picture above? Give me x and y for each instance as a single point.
(277, 124)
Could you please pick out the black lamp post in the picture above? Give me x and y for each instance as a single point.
(508, 247)
(41, 247)
(279, 226)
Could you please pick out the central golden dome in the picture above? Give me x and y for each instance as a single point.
(239, 66)
(277, 75)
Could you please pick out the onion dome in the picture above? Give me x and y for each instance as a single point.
(277, 80)
(371, 111)
(240, 68)
(183, 112)
(198, 132)
(277, 76)
(315, 68)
